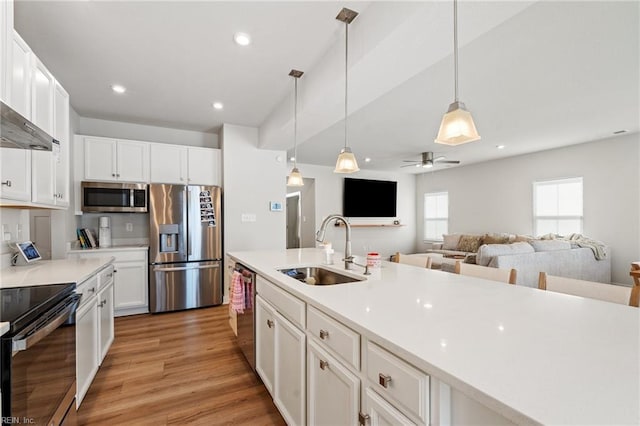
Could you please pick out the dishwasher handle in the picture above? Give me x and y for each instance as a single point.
(41, 329)
(185, 268)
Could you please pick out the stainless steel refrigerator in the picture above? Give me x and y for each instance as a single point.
(185, 247)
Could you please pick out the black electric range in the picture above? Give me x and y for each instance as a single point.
(37, 354)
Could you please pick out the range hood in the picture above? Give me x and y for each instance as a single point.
(18, 132)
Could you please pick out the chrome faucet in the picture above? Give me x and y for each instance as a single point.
(348, 258)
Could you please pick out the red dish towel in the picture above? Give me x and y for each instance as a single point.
(237, 292)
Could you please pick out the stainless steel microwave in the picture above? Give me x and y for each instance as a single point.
(98, 197)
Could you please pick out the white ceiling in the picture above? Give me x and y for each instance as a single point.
(535, 75)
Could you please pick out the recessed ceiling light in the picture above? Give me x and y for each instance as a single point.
(292, 158)
(242, 39)
(367, 160)
(218, 105)
(500, 146)
(118, 88)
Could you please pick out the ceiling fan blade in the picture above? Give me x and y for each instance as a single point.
(449, 162)
(412, 165)
(440, 158)
(410, 161)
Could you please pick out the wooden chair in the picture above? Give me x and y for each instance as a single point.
(589, 289)
(635, 290)
(494, 274)
(407, 259)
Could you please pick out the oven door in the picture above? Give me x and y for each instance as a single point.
(39, 368)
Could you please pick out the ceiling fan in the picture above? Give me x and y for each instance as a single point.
(429, 161)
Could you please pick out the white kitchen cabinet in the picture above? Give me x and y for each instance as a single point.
(108, 159)
(87, 345)
(265, 342)
(184, 165)
(333, 392)
(61, 133)
(380, 412)
(43, 182)
(19, 91)
(131, 288)
(6, 36)
(105, 313)
(42, 93)
(15, 174)
(284, 368)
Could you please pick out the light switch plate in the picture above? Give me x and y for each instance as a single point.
(275, 206)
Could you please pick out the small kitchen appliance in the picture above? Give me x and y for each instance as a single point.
(104, 234)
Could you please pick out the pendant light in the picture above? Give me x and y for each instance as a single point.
(295, 177)
(346, 160)
(457, 125)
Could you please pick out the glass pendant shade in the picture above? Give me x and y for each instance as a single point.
(295, 178)
(457, 126)
(346, 162)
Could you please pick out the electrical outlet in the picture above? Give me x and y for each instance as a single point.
(6, 236)
(248, 217)
(129, 227)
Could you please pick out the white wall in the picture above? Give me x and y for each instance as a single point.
(118, 129)
(251, 178)
(386, 241)
(496, 196)
(16, 222)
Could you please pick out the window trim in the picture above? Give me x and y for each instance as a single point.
(567, 180)
(424, 218)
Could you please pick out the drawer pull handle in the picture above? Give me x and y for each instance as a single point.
(110, 275)
(92, 290)
(324, 364)
(384, 380)
(7, 182)
(363, 418)
(324, 334)
(269, 323)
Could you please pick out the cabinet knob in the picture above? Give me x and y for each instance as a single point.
(104, 302)
(113, 175)
(363, 418)
(324, 364)
(324, 334)
(92, 290)
(269, 323)
(117, 174)
(7, 182)
(384, 380)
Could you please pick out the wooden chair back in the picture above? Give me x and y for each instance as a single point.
(421, 261)
(635, 290)
(589, 289)
(494, 274)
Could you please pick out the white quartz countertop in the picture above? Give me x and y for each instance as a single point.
(533, 356)
(129, 247)
(52, 272)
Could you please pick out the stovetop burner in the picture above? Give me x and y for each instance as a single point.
(21, 305)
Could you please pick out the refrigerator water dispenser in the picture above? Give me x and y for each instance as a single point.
(169, 238)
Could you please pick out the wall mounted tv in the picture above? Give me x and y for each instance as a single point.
(369, 198)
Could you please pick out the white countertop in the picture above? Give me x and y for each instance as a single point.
(128, 247)
(531, 355)
(52, 272)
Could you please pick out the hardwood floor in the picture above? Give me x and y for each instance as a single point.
(176, 368)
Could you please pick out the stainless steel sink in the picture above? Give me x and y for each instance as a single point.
(315, 275)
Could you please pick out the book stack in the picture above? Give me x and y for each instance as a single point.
(86, 238)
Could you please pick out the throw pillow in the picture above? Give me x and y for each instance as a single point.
(450, 241)
(495, 239)
(469, 243)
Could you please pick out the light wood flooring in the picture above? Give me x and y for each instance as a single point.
(176, 368)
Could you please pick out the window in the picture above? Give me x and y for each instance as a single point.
(557, 206)
(436, 215)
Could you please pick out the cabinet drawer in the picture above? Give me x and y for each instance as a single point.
(105, 277)
(288, 305)
(87, 289)
(344, 341)
(398, 381)
(120, 256)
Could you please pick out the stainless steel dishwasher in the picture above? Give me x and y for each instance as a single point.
(246, 320)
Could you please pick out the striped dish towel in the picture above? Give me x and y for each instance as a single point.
(237, 292)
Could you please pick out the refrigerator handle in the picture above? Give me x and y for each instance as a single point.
(174, 269)
(189, 207)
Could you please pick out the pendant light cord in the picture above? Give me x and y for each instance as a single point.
(455, 46)
(346, 81)
(295, 123)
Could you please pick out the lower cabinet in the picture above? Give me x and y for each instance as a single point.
(379, 412)
(280, 361)
(333, 392)
(105, 308)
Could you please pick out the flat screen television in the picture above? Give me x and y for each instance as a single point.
(369, 198)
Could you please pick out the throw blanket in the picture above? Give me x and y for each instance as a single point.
(237, 292)
(597, 247)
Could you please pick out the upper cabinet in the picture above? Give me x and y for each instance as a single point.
(108, 159)
(6, 40)
(42, 92)
(61, 133)
(184, 165)
(19, 89)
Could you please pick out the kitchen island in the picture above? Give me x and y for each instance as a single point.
(529, 356)
(52, 272)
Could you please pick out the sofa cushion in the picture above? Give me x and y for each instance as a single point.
(487, 252)
(550, 245)
(450, 241)
(495, 239)
(469, 243)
